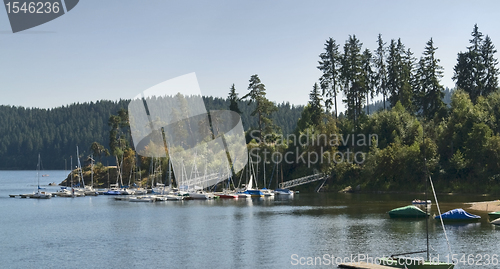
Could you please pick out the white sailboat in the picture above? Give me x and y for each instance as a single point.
(249, 188)
(265, 191)
(89, 190)
(282, 192)
(40, 194)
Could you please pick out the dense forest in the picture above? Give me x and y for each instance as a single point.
(417, 134)
(416, 129)
(55, 133)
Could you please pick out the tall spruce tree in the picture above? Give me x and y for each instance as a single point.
(368, 77)
(400, 65)
(263, 107)
(430, 92)
(233, 99)
(381, 69)
(330, 66)
(407, 76)
(476, 61)
(351, 74)
(393, 66)
(475, 71)
(490, 80)
(315, 105)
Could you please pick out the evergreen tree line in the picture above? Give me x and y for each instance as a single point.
(392, 72)
(55, 133)
(417, 133)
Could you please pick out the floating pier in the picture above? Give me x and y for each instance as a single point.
(363, 265)
(29, 195)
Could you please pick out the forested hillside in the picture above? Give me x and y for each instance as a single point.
(55, 133)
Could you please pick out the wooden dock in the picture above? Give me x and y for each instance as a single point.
(363, 265)
(29, 195)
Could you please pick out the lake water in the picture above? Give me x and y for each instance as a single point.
(99, 232)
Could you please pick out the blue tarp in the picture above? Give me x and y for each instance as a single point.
(458, 214)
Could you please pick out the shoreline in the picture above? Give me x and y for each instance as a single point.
(486, 206)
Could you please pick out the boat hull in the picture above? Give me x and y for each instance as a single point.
(41, 195)
(141, 199)
(227, 196)
(254, 193)
(458, 215)
(283, 192)
(410, 211)
(496, 222)
(243, 195)
(199, 196)
(494, 215)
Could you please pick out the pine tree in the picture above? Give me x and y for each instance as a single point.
(330, 66)
(233, 99)
(430, 91)
(463, 72)
(393, 66)
(490, 80)
(368, 77)
(407, 77)
(381, 69)
(263, 107)
(475, 71)
(476, 62)
(400, 77)
(315, 105)
(351, 74)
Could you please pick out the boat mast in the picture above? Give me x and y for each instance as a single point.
(38, 174)
(264, 171)
(107, 168)
(71, 170)
(426, 191)
(281, 174)
(426, 204)
(277, 178)
(80, 166)
(169, 174)
(92, 171)
(151, 173)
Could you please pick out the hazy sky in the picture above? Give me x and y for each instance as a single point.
(115, 49)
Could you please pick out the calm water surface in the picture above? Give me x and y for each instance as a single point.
(99, 232)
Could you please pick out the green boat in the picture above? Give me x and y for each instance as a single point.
(410, 211)
(494, 215)
(401, 262)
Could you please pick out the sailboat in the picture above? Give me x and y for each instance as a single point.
(40, 194)
(89, 190)
(282, 192)
(400, 261)
(265, 191)
(227, 193)
(251, 191)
